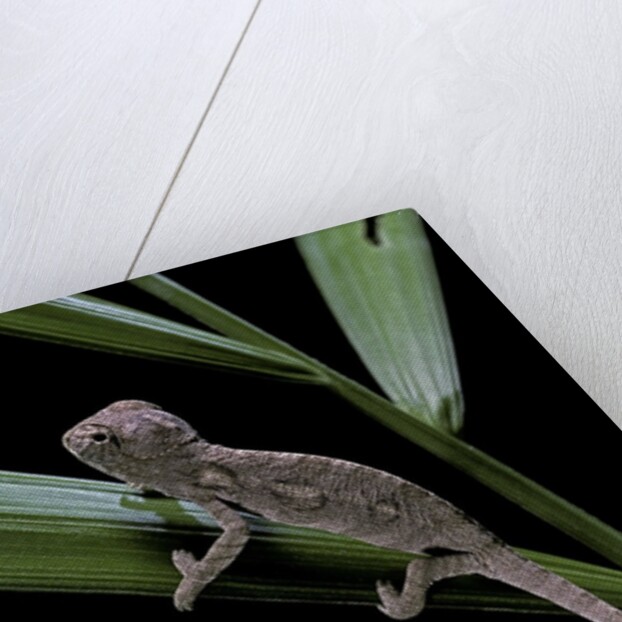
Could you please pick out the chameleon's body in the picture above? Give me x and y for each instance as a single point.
(146, 447)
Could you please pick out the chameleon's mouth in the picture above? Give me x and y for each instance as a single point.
(72, 442)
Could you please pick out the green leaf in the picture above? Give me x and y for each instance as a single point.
(384, 292)
(60, 534)
(211, 314)
(509, 483)
(88, 322)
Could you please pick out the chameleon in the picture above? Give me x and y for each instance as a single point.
(151, 449)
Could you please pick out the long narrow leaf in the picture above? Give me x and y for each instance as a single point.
(383, 290)
(499, 477)
(212, 315)
(88, 322)
(86, 536)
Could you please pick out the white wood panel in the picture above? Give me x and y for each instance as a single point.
(98, 102)
(500, 121)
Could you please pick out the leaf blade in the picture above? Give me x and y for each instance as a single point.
(211, 314)
(386, 297)
(91, 536)
(88, 322)
(503, 479)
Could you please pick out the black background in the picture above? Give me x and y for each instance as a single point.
(521, 408)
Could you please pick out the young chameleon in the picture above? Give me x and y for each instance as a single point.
(149, 448)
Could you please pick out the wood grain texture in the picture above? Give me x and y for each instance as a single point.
(303, 134)
(98, 102)
(498, 120)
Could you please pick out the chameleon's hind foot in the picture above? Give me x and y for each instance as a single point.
(399, 606)
(421, 573)
(184, 561)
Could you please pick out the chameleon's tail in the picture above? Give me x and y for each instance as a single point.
(513, 569)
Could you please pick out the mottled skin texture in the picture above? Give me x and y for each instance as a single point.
(149, 448)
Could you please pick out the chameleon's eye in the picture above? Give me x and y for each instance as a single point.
(102, 437)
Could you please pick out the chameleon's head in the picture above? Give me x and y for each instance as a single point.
(128, 439)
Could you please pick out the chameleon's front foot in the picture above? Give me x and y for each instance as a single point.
(184, 598)
(190, 586)
(396, 605)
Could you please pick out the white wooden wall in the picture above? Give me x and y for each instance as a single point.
(139, 136)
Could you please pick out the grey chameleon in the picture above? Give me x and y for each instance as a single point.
(148, 448)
